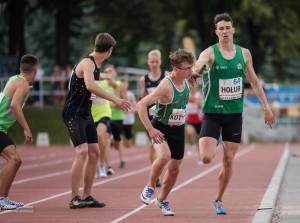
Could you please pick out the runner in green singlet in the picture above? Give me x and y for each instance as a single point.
(12, 100)
(166, 129)
(227, 64)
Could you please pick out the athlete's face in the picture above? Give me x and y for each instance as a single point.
(224, 31)
(185, 69)
(154, 62)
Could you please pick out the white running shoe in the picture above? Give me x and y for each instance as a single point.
(110, 171)
(102, 172)
(147, 194)
(12, 202)
(165, 208)
(5, 205)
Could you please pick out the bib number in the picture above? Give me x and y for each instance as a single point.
(177, 117)
(230, 89)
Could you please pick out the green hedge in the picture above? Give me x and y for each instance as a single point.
(48, 119)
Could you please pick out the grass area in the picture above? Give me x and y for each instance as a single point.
(48, 119)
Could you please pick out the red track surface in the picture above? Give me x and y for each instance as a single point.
(43, 183)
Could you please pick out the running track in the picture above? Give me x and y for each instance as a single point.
(43, 183)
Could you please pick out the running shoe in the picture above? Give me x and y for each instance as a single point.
(110, 171)
(5, 205)
(217, 204)
(18, 204)
(122, 164)
(147, 194)
(77, 202)
(165, 208)
(157, 183)
(93, 203)
(102, 171)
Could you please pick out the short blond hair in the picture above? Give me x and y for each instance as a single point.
(154, 52)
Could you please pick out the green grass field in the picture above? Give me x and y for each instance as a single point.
(48, 119)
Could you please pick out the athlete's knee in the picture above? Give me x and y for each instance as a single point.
(174, 171)
(206, 157)
(164, 158)
(228, 162)
(82, 153)
(16, 161)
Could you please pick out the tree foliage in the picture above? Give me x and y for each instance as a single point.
(60, 32)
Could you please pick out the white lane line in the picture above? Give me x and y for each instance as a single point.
(213, 168)
(44, 164)
(42, 177)
(141, 170)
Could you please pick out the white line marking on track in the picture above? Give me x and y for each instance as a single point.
(94, 184)
(42, 177)
(216, 166)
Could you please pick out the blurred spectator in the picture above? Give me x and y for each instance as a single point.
(55, 84)
(129, 117)
(275, 106)
(248, 90)
(66, 75)
(38, 83)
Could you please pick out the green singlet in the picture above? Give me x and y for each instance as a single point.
(7, 117)
(173, 113)
(223, 84)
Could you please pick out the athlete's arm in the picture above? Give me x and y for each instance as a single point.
(88, 75)
(256, 85)
(21, 89)
(162, 93)
(205, 58)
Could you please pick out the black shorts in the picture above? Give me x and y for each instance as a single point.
(5, 141)
(229, 124)
(174, 136)
(127, 129)
(105, 121)
(197, 127)
(116, 129)
(81, 130)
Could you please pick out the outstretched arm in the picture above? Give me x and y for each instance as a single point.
(256, 85)
(88, 69)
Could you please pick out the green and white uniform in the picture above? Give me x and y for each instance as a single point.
(7, 117)
(223, 90)
(173, 113)
(223, 84)
(170, 118)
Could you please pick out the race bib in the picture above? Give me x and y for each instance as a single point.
(177, 117)
(1, 96)
(230, 89)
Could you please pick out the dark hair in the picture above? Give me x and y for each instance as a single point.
(103, 42)
(180, 56)
(222, 17)
(28, 63)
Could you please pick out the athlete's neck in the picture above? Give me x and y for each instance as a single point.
(177, 80)
(227, 46)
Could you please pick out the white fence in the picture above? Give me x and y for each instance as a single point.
(43, 94)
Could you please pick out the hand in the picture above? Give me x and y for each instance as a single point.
(269, 117)
(123, 104)
(156, 136)
(28, 136)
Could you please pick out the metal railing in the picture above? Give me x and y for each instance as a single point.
(42, 96)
